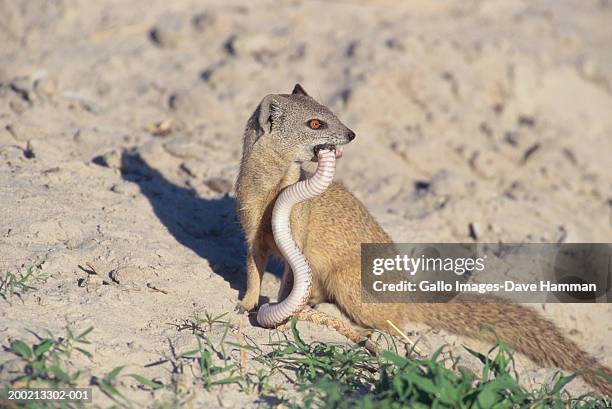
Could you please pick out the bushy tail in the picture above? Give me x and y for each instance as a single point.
(523, 330)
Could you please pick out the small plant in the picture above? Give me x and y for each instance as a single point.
(108, 386)
(45, 363)
(211, 320)
(209, 371)
(202, 325)
(310, 363)
(290, 372)
(12, 284)
(337, 376)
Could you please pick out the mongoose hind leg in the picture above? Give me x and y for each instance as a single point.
(317, 292)
(286, 283)
(344, 289)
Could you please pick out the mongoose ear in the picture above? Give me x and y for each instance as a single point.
(269, 111)
(298, 90)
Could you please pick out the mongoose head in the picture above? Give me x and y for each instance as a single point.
(299, 126)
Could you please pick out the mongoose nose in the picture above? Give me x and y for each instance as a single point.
(351, 135)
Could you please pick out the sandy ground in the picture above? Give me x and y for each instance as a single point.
(504, 108)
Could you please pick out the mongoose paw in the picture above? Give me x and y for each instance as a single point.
(242, 307)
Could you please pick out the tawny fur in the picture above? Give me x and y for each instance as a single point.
(330, 228)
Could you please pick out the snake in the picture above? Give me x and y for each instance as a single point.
(273, 314)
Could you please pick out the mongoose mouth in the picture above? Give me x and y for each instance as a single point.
(337, 149)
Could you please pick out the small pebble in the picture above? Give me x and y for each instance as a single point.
(421, 186)
(201, 21)
(169, 31)
(125, 275)
(473, 231)
(111, 159)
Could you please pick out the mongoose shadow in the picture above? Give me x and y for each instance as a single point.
(206, 226)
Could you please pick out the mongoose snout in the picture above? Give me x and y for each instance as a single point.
(350, 135)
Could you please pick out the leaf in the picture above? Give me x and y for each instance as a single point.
(400, 387)
(487, 398)
(424, 384)
(69, 332)
(43, 347)
(38, 366)
(84, 352)
(396, 359)
(109, 389)
(447, 392)
(188, 354)
(218, 317)
(85, 333)
(490, 393)
(486, 362)
(27, 274)
(233, 379)
(436, 354)
(560, 384)
(21, 349)
(478, 355)
(113, 374)
(296, 334)
(76, 375)
(59, 373)
(146, 382)
(205, 361)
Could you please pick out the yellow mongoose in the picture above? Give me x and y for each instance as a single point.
(279, 136)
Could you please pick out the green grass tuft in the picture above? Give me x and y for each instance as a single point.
(16, 284)
(289, 372)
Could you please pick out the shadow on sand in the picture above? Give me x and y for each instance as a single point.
(206, 226)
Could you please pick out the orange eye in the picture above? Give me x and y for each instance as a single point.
(314, 124)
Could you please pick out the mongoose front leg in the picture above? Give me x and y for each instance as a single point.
(256, 264)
